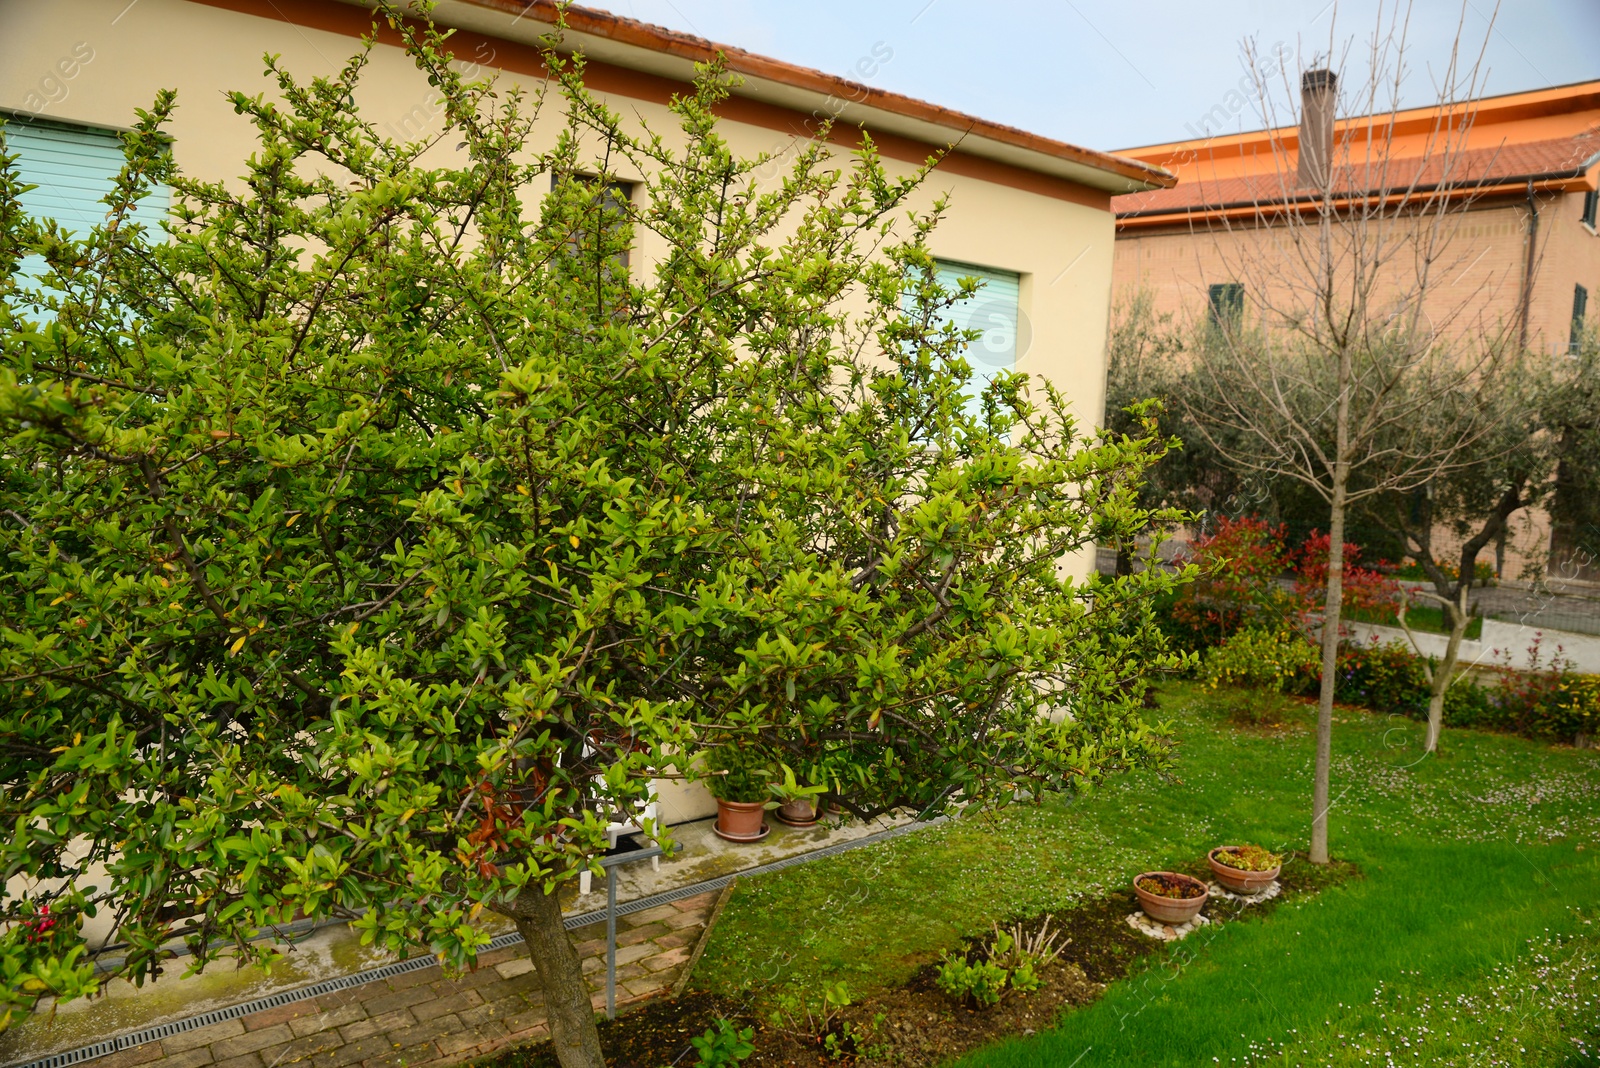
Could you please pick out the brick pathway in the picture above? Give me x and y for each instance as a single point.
(422, 1018)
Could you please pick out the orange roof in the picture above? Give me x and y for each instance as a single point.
(1550, 137)
(1540, 162)
(612, 38)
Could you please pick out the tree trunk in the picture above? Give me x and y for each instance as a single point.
(566, 996)
(1332, 602)
(1444, 675)
(1332, 606)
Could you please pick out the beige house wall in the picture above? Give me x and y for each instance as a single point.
(1482, 269)
(1061, 248)
(1477, 284)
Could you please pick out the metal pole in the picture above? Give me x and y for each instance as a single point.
(611, 943)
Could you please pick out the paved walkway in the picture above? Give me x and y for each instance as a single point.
(422, 1018)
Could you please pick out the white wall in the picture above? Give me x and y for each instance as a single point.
(1502, 644)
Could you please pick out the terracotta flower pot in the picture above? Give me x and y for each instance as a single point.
(797, 814)
(740, 821)
(1173, 910)
(1237, 879)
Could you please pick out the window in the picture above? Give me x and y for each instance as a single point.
(1580, 308)
(1591, 207)
(994, 310)
(613, 209)
(71, 169)
(1226, 303)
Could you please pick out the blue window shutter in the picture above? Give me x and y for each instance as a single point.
(72, 169)
(992, 310)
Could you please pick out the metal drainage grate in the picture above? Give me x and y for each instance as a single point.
(389, 971)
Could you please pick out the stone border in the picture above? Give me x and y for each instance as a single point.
(1166, 932)
(705, 936)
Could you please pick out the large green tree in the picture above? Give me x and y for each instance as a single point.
(374, 536)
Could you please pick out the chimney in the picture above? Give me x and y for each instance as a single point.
(1318, 91)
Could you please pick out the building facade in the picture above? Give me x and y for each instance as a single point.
(1523, 257)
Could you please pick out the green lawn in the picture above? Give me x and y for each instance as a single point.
(1468, 939)
(1423, 619)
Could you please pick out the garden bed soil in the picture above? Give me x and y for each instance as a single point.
(915, 1025)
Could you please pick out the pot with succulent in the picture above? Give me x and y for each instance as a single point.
(1169, 896)
(797, 804)
(738, 779)
(1245, 869)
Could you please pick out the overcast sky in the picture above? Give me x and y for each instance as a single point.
(1114, 75)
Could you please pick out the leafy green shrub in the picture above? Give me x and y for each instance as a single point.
(1025, 978)
(1385, 677)
(1012, 957)
(1571, 708)
(1546, 701)
(1468, 704)
(817, 1022)
(1388, 677)
(722, 1045)
(1280, 660)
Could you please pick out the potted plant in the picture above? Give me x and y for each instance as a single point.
(1245, 869)
(738, 780)
(1169, 896)
(797, 805)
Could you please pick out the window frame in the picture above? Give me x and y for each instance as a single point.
(1580, 311)
(1224, 304)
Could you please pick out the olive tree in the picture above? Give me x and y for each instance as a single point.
(377, 533)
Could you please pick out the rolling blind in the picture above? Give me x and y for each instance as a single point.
(993, 310)
(72, 168)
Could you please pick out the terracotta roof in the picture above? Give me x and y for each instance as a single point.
(865, 103)
(1504, 164)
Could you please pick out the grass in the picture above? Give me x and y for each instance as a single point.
(1423, 619)
(1472, 937)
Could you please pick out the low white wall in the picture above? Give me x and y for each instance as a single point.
(1502, 643)
(682, 802)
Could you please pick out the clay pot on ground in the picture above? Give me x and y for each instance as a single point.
(1238, 880)
(741, 821)
(1171, 910)
(801, 813)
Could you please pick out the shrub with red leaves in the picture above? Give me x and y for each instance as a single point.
(1241, 564)
(1365, 588)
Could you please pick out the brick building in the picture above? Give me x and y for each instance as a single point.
(1523, 171)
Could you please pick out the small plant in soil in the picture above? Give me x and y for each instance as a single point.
(1162, 886)
(737, 774)
(818, 1023)
(1248, 858)
(984, 982)
(1012, 958)
(1016, 945)
(723, 1044)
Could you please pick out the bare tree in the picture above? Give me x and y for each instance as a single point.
(1360, 363)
